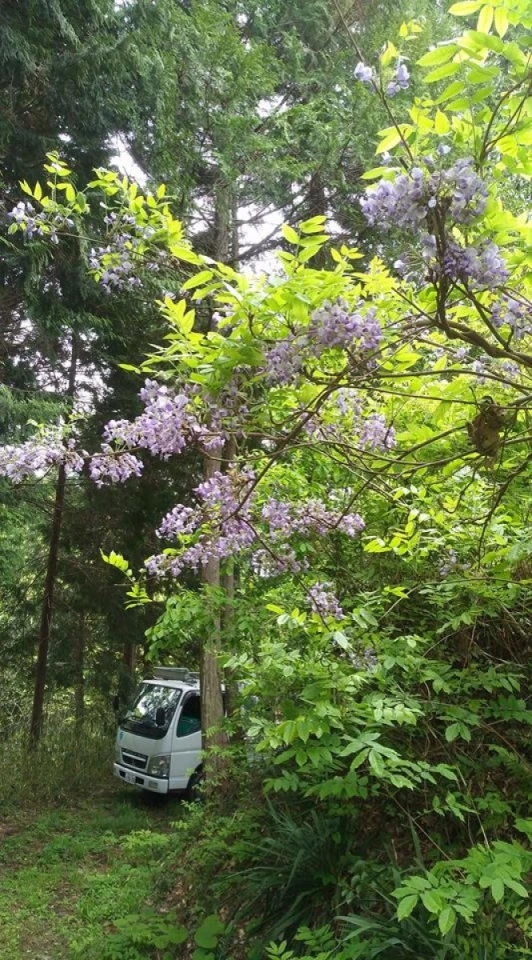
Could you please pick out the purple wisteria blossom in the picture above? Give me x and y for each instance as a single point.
(37, 456)
(400, 81)
(227, 523)
(112, 466)
(333, 325)
(377, 434)
(336, 325)
(266, 563)
(284, 360)
(222, 521)
(165, 427)
(180, 520)
(285, 519)
(323, 601)
(365, 74)
(41, 224)
(407, 201)
(513, 313)
(483, 266)
(116, 263)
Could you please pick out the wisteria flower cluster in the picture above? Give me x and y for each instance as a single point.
(371, 432)
(407, 201)
(41, 223)
(221, 521)
(333, 325)
(164, 428)
(483, 266)
(115, 264)
(226, 522)
(513, 313)
(322, 600)
(400, 81)
(37, 456)
(285, 519)
(111, 466)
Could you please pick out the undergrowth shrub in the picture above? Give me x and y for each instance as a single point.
(68, 763)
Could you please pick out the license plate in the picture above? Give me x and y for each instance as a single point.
(130, 777)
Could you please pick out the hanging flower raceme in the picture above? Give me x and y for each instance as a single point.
(227, 522)
(44, 223)
(407, 201)
(332, 326)
(324, 601)
(37, 456)
(166, 426)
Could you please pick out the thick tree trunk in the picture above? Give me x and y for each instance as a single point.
(212, 710)
(50, 578)
(227, 582)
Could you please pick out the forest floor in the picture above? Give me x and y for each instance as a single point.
(67, 875)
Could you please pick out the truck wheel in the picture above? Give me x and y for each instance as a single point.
(194, 791)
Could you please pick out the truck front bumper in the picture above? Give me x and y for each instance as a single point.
(141, 780)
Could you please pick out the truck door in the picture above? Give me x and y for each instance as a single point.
(186, 747)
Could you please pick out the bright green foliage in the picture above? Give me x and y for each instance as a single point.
(391, 742)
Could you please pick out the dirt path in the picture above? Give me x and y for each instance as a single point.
(67, 875)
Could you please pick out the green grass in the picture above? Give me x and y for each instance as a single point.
(67, 875)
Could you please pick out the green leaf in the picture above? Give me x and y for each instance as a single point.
(497, 889)
(485, 19)
(516, 887)
(314, 225)
(406, 906)
(431, 902)
(289, 233)
(446, 920)
(501, 21)
(452, 732)
(466, 8)
(208, 933)
(37, 193)
(440, 55)
(451, 91)
(447, 70)
(202, 277)
(441, 123)
(375, 762)
(375, 173)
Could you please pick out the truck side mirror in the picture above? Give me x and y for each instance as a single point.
(160, 716)
(116, 703)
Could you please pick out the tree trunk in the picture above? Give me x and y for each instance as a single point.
(50, 578)
(126, 679)
(212, 710)
(228, 586)
(78, 652)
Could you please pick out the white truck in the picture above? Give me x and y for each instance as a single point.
(158, 743)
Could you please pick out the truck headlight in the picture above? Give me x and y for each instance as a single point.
(159, 766)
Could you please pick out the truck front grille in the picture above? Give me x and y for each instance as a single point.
(137, 761)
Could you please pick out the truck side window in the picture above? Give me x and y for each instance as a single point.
(190, 719)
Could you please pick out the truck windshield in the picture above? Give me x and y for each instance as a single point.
(140, 718)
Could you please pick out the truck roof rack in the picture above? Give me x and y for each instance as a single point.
(176, 673)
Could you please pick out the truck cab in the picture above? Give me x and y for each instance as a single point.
(158, 742)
